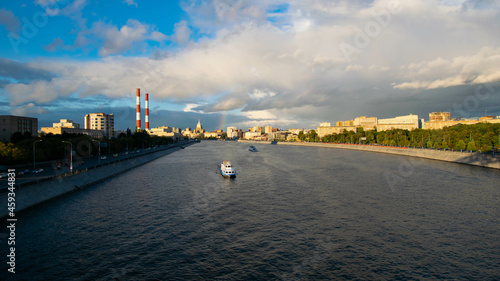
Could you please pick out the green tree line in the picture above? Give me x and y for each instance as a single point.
(482, 137)
(53, 147)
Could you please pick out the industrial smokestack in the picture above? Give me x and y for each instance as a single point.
(146, 119)
(138, 112)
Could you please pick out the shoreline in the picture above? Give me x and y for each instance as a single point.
(474, 159)
(31, 195)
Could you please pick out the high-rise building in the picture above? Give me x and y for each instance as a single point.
(11, 124)
(102, 122)
(199, 128)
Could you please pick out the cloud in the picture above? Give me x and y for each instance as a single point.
(130, 3)
(9, 21)
(259, 94)
(252, 65)
(181, 32)
(56, 45)
(115, 41)
(29, 109)
(23, 72)
(191, 107)
(211, 15)
(479, 68)
(73, 9)
(37, 91)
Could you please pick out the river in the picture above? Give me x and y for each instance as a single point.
(291, 213)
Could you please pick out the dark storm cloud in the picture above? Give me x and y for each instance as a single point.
(21, 72)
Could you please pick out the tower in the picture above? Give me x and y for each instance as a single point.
(138, 112)
(146, 118)
(199, 128)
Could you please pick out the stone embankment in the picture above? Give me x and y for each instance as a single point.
(32, 194)
(476, 159)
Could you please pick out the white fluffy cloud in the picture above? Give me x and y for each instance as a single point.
(181, 32)
(479, 68)
(116, 41)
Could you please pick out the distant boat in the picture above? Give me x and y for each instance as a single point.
(227, 170)
(252, 148)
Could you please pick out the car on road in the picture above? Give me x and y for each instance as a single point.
(115, 155)
(4, 175)
(38, 171)
(103, 157)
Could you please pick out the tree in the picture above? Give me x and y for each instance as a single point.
(429, 144)
(16, 137)
(11, 154)
(444, 144)
(471, 146)
(460, 145)
(302, 136)
(312, 136)
(436, 145)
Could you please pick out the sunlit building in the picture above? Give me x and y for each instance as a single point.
(232, 132)
(69, 127)
(439, 116)
(406, 122)
(439, 120)
(199, 128)
(326, 129)
(102, 122)
(252, 135)
(165, 131)
(367, 123)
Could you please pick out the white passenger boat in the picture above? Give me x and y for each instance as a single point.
(227, 170)
(252, 148)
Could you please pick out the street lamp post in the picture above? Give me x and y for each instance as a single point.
(99, 159)
(34, 166)
(71, 156)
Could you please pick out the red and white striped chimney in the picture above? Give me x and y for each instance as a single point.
(146, 119)
(138, 112)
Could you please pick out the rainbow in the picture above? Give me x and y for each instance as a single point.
(223, 121)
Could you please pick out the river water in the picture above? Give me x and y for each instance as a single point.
(292, 213)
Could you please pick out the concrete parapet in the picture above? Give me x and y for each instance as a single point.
(476, 159)
(30, 195)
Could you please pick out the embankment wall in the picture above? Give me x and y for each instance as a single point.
(476, 159)
(30, 195)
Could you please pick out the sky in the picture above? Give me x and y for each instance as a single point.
(286, 64)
